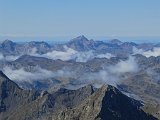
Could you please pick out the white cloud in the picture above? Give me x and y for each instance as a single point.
(71, 54)
(39, 74)
(106, 55)
(8, 58)
(67, 54)
(111, 75)
(14, 57)
(22, 75)
(129, 65)
(11, 58)
(155, 52)
(63, 55)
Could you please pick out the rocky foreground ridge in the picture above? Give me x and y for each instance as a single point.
(86, 103)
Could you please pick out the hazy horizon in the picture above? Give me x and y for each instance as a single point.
(68, 19)
(65, 39)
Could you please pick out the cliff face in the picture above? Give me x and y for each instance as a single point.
(106, 103)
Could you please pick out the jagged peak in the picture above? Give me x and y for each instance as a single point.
(107, 87)
(115, 41)
(79, 38)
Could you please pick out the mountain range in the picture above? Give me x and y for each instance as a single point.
(81, 79)
(80, 43)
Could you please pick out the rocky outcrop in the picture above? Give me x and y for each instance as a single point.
(82, 104)
(107, 103)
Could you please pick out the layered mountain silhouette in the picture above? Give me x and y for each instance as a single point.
(80, 43)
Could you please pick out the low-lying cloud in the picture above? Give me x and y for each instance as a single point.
(71, 54)
(65, 55)
(23, 75)
(39, 74)
(111, 74)
(155, 52)
(3, 57)
(8, 58)
(129, 65)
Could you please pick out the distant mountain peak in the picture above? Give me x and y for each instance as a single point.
(80, 43)
(80, 38)
(116, 41)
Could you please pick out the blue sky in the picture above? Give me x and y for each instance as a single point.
(70, 18)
